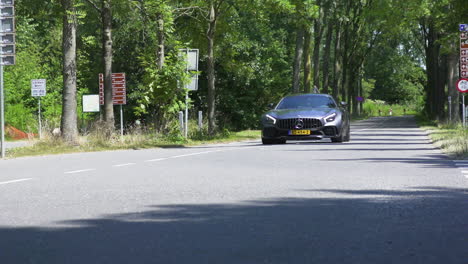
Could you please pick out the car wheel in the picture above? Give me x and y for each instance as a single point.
(348, 135)
(339, 139)
(282, 141)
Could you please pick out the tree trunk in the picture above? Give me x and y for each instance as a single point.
(432, 64)
(298, 60)
(161, 42)
(337, 65)
(452, 72)
(106, 15)
(307, 62)
(318, 32)
(440, 88)
(326, 58)
(210, 35)
(344, 78)
(69, 124)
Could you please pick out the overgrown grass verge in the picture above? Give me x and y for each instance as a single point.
(373, 108)
(451, 138)
(100, 142)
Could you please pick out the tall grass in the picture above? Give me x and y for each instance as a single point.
(99, 138)
(373, 108)
(451, 137)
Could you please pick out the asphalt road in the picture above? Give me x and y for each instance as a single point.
(388, 196)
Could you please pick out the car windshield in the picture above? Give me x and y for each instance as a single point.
(296, 102)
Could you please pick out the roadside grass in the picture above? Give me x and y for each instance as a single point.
(451, 138)
(100, 142)
(373, 108)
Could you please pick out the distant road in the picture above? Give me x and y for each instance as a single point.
(387, 196)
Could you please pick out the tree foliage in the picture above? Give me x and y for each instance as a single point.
(392, 50)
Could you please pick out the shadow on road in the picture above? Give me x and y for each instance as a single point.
(373, 226)
(427, 161)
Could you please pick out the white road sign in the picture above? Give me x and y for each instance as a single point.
(192, 58)
(38, 87)
(90, 103)
(193, 85)
(462, 85)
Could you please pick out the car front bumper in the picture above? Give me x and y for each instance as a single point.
(271, 132)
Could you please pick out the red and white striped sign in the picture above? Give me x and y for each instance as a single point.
(119, 89)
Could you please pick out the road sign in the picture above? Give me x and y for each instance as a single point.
(463, 51)
(463, 43)
(90, 103)
(7, 38)
(101, 89)
(38, 87)
(192, 58)
(7, 2)
(463, 27)
(462, 85)
(119, 87)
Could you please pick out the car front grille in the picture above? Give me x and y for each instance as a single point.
(299, 123)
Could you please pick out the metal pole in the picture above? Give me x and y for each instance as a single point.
(186, 114)
(40, 121)
(2, 112)
(450, 108)
(464, 111)
(200, 120)
(186, 101)
(181, 121)
(121, 121)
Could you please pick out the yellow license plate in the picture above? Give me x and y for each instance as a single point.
(300, 132)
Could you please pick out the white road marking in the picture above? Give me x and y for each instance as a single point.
(194, 154)
(185, 155)
(123, 165)
(14, 181)
(466, 172)
(153, 160)
(79, 171)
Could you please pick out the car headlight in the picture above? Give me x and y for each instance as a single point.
(268, 119)
(331, 118)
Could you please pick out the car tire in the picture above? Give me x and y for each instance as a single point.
(348, 135)
(339, 139)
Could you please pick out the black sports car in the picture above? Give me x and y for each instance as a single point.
(306, 116)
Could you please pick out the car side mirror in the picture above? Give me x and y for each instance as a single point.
(271, 106)
(344, 104)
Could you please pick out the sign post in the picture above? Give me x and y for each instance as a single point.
(2, 112)
(450, 108)
(7, 56)
(192, 58)
(38, 89)
(462, 84)
(90, 105)
(119, 93)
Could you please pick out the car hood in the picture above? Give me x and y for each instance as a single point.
(304, 113)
